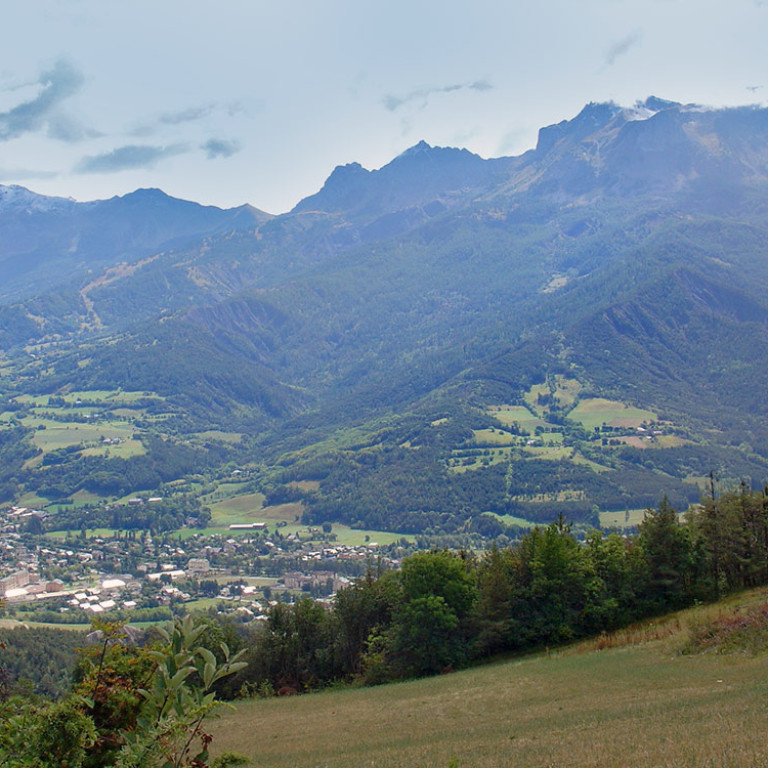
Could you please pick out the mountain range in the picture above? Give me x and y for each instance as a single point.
(582, 328)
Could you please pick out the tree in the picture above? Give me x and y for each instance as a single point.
(668, 554)
(431, 625)
(132, 708)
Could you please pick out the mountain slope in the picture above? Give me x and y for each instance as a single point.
(429, 341)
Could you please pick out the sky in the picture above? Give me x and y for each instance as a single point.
(254, 101)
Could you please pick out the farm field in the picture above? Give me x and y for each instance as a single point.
(626, 519)
(596, 411)
(516, 414)
(634, 705)
(243, 508)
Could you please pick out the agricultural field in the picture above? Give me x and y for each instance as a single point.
(98, 423)
(631, 699)
(596, 411)
(509, 415)
(354, 537)
(628, 519)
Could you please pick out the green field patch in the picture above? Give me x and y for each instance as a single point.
(84, 497)
(251, 581)
(671, 441)
(125, 449)
(108, 396)
(626, 519)
(32, 400)
(13, 624)
(596, 411)
(91, 533)
(57, 435)
(492, 437)
(245, 508)
(653, 441)
(127, 413)
(353, 537)
(460, 462)
(32, 500)
(33, 462)
(509, 415)
(521, 522)
(204, 604)
(288, 513)
(635, 441)
(549, 452)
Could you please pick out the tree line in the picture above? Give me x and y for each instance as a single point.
(445, 610)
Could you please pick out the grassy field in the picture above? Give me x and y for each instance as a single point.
(636, 705)
(516, 414)
(493, 437)
(624, 519)
(596, 411)
(245, 508)
(354, 537)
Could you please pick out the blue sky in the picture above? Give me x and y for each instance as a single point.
(241, 101)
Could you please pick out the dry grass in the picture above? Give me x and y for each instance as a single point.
(638, 703)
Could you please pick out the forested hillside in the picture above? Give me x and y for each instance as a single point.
(577, 330)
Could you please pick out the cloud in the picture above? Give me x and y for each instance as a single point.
(621, 47)
(190, 115)
(423, 94)
(187, 115)
(56, 85)
(220, 148)
(128, 158)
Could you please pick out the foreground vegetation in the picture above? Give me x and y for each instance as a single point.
(443, 611)
(630, 699)
(145, 706)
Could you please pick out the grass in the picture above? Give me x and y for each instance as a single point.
(626, 519)
(513, 520)
(596, 411)
(493, 437)
(636, 703)
(245, 508)
(353, 537)
(516, 414)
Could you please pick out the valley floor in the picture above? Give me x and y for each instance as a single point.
(637, 706)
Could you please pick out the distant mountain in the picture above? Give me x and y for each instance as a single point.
(446, 325)
(45, 240)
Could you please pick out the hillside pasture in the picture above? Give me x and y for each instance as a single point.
(508, 415)
(627, 519)
(493, 437)
(358, 537)
(639, 703)
(595, 411)
(56, 435)
(244, 508)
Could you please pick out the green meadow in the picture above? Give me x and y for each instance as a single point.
(596, 411)
(631, 699)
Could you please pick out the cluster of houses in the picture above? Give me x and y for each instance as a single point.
(104, 574)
